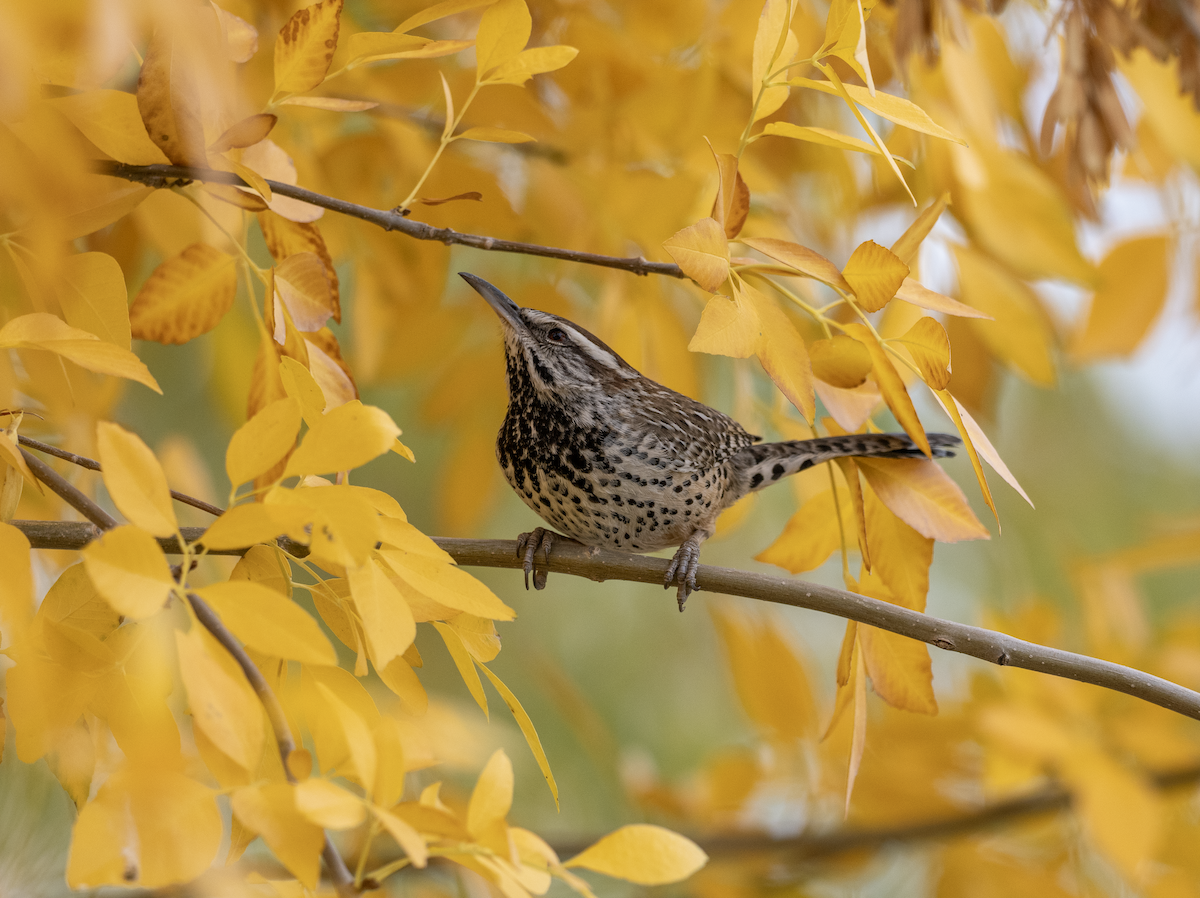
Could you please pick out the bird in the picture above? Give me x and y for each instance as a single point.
(610, 458)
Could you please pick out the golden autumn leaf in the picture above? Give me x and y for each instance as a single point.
(900, 556)
(332, 104)
(922, 495)
(891, 385)
(285, 237)
(824, 137)
(927, 343)
(185, 296)
(345, 437)
(221, 701)
(271, 161)
(894, 109)
(840, 361)
(503, 33)
(1018, 333)
(846, 38)
(525, 722)
(782, 352)
(269, 623)
(465, 664)
(1133, 288)
(245, 133)
(875, 274)
(732, 203)
(130, 571)
(93, 297)
(644, 854)
(301, 283)
(262, 441)
(918, 294)
(702, 251)
(270, 810)
(810, 536)
(40, 330)
(494, 135)
(727, 327)
(804, 261)
(899, 669)
(305, 46)
(387, 618)
(534, 61)
(907, 246)
(110, 119)
(774, 46)
(135, 480)
(169, 103)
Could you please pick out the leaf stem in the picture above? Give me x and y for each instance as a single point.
(447, 138)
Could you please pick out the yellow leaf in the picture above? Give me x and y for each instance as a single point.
(491, 798)
(168, 98)
(373, 46)
(301, 283)
(894, 109)
(148, 827)
(922, 495)
(840, 361)
(727, 327)
(40, 330)
(285, 237)
(387, 620)
(494, 135)
(503, 33)
(1133, 287)
(908, 246)
(858, 740)
(270, 811)
(93, 297)
(875, 274)
(16, 586)
(702, 251)
(405, 835)
(891, 385)
(130, 571)
(305, 47)
(900, 556)
(343, 527)
(810, 536)
(642, 853)
(241, 38)
(221, 701)
(534, 61)
(824, 137)
(345, 438)
(527, 730)
(185, 296)
(976, 440)
(269, 623)
(359, 741)
(271, 161)
(399, 677)
(849, 408)
(1019, 333)
(135, 480)
(899, 668)
(1017, 213)
(329, 806)
(300, 385)
(439, 11)
(110, 119)
(332, 104)
(774, 47)
(929, 346)
(801, 259)
(1169, 113)
(919, 295)
(391, 769)
(846, 38)
(732, 202)
(247, 132)
(446, 584)
(253, 523)
(262, 441)
(782, 353)
(464, 663)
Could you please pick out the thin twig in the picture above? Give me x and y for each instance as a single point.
(68, 492)
(159, 176)
(92, 465)
(604, 564)
(338, 874)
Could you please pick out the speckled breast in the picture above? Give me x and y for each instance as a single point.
(604, 490)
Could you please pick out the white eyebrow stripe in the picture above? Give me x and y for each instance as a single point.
(604, 358)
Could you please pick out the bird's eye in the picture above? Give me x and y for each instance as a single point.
(557, 335)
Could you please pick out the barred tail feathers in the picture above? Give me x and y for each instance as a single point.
(766, 463)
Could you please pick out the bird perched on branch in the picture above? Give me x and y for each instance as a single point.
(610, 458)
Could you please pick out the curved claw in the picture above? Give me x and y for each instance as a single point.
(528, 546)
(683, 570)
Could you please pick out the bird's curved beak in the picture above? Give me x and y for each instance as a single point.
(501, 304)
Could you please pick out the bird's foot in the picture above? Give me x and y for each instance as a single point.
(683, 571)
(535, 541)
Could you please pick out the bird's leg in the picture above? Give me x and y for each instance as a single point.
(683, 567)
(529, 544)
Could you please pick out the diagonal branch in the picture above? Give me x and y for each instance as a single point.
(168, 175)
(605, 564)
(92, 465)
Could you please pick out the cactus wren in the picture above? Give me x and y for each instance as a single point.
(611, 458)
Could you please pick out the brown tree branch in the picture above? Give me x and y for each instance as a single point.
(92, 465)
(343, 882)
(168, 175)
(604, 564)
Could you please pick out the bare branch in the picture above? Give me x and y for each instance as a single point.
(168, 175)
(604, 564)
(92, 465)
(68, 492)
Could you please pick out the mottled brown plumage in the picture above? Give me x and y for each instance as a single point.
(610, 458)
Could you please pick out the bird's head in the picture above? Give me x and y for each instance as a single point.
(559, 360)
